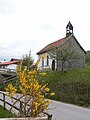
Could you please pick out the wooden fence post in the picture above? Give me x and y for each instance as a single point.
(4, 101)
(20, 107)
(49, 116)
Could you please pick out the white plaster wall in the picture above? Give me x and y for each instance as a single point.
(45, 61)
(12, 66)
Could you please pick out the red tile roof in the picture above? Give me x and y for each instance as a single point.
(9, 63)
(57, 44)
(52, 45)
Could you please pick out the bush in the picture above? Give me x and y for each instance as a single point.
(32, 92)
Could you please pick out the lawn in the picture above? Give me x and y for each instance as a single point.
(5, 113)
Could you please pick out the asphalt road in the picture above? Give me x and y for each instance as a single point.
(62, 111)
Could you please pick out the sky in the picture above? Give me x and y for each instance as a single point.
(32, 24)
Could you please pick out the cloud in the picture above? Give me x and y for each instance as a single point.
(46, 26)
(8, 6)
(32, 24)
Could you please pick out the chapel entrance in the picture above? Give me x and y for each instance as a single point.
(53, 65)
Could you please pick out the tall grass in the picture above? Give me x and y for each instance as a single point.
(72, 86)
(5, 113)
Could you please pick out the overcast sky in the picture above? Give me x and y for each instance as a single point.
(32, 24)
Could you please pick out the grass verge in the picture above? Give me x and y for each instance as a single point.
(5, 113)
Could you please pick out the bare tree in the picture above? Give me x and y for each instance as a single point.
(27, 60)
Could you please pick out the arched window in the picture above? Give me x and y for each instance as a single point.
(42, 61)
(47, 60)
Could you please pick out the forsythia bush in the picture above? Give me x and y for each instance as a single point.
(32, 93)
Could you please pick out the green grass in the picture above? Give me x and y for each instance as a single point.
(5, 113)
(72, 86)
(14, 82)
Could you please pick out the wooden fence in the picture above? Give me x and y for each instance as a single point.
(8, 79)
(7, 70)
(3, 99)
(19, 109)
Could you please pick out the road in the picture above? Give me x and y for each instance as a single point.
(62, 111)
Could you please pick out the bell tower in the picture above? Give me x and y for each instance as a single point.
(69, 29)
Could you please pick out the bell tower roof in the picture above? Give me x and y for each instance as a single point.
(69, 29)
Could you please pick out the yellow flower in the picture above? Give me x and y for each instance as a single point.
(36, 104)
(36, 64)
(47, 89)
(39, 69)
(48, 101)
(52, 94)
(44, 56)
(32, 72)
(22, 90)
(42, 96)
(12, 90)
(43, 74)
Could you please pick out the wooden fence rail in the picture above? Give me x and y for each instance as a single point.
(8, 79)
(3, 99)
(8, 70)
(5, 102)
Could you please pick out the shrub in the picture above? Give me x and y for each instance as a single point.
(32, 92)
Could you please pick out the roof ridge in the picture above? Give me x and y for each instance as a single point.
(57, 40)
